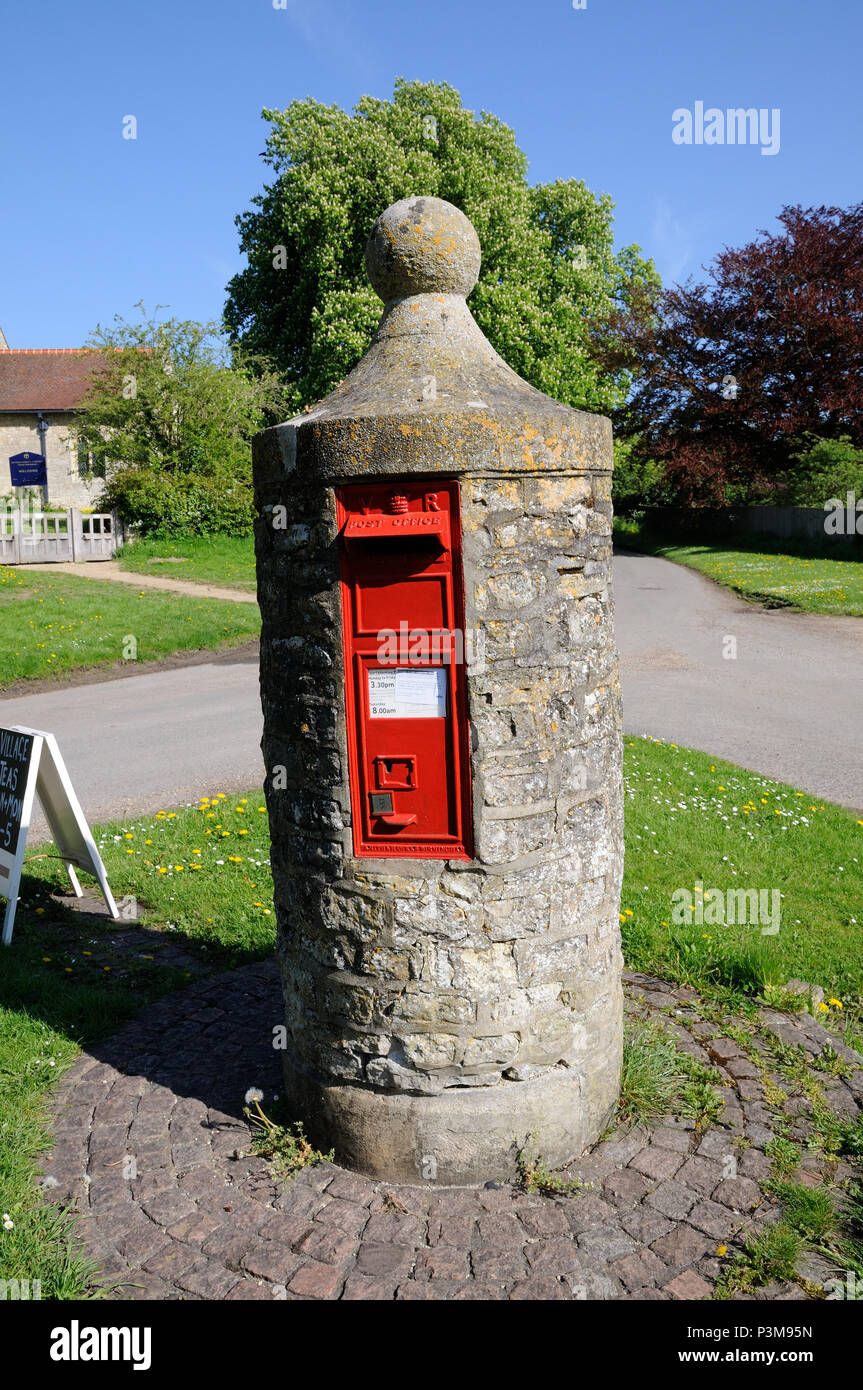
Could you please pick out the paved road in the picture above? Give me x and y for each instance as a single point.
(152, 741)
(790, 705)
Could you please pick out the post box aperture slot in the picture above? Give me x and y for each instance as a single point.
(401, 550)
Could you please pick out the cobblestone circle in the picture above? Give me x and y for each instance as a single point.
(205, 1220)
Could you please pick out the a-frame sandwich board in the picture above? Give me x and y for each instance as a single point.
(31, 765)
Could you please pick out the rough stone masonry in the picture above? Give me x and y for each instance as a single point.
(444, 1015)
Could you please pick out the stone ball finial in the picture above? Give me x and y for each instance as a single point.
(422, 246)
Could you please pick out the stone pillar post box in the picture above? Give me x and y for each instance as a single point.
(442, 740)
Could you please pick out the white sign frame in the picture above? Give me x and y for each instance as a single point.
(48, 779)
(407, 682)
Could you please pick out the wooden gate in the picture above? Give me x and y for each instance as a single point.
(34, 537)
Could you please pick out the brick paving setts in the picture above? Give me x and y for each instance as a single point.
(205, 1219)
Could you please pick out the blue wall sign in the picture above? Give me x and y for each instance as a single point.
(28, 470)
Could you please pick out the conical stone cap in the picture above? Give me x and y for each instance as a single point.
(431, 394)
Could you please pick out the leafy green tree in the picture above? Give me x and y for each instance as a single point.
(823, 468)
(168, 418)
(549, 276)
(638, 481)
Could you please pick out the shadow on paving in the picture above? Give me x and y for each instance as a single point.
(152, 1147)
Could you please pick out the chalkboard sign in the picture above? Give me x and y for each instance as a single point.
(31, 766)
(16, 751)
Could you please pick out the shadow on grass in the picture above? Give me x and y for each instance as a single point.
(76, 970)
(130, 995)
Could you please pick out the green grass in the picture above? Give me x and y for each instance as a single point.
(54, 623)
(50, 1006)
(810, 1211)
(281, 1139)
(203, 875)
(658, 1079)
(224, 560)
(776, 574)
(771, 1256)
(846, 1247)
(785, 1155)
(40, 1247)
(535, 1176)
(204, 871)
(809, 1220)
(650, 1075)
(62, 987)
(691, 819)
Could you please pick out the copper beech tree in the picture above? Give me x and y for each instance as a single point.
(734, 373)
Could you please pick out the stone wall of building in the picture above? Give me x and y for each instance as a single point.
(66, 488)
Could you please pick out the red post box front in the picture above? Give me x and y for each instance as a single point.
(403, 622)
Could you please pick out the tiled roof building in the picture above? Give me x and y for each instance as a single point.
(40, 389)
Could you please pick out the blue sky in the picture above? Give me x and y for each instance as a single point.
(92, 222)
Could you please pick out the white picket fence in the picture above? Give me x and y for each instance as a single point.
(32, 537)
